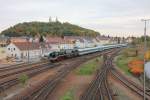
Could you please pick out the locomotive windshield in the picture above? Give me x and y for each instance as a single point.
(53, 55)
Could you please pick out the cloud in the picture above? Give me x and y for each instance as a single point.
(105, 16)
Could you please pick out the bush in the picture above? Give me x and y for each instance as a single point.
(23, 79)
(69, 95)
(136, 66)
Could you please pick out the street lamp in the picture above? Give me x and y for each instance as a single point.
(145, 48)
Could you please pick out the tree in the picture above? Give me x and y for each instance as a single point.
(41, 41)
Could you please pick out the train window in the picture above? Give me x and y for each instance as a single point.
(60, 53)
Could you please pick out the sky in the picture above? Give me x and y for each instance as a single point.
(109, 17)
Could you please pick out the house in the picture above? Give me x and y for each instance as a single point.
(23, 50)
(54, 43)
(113, 40)
(76, 41)
(103, 40)
(58, 43)
(129, 39)
(89, 42)
(79, 43)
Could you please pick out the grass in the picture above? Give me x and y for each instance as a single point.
(69, 95)
(2, 52)
(122, 63)
(23, 79)
(89, 67)
(123, 59)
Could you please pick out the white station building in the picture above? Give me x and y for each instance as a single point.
(23, 50)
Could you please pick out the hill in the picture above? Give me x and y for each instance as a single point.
(47, 28)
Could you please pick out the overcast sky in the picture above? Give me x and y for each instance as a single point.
(113, 17)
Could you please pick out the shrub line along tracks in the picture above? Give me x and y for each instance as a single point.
(43, 90)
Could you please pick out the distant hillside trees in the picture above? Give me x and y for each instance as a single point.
(48, 28)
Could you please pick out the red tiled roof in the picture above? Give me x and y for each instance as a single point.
(27, 45)
(57, 40)
(74, 38)
(18, 39)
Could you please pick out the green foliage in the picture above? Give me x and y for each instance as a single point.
(69, 95)
(23, 79)
(125, 57)
(140, 41)
(122, 63)
(47, 28)
(3, 51)
(89, 67)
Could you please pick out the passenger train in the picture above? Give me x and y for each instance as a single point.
(68, 53)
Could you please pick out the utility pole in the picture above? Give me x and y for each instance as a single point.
(145, 48)
(28, 49)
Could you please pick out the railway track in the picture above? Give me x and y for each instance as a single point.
(9, 75)
(99, 88)
(12, 78)
(17, 66)
(43, 91)
(129, 84)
